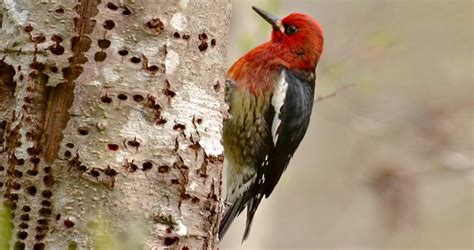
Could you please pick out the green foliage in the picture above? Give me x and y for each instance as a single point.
(6, 227)
(106, 237)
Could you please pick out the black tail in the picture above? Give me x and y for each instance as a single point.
(233, 211)
(251, 209)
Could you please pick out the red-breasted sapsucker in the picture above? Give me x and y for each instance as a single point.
(270, 92)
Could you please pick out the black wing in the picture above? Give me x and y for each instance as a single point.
(294, 118)
(289, 125)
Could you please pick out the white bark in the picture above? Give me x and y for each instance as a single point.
(111, 117)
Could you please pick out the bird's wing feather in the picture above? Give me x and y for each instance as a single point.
(278, 99)
(289, 114)
(289, 124)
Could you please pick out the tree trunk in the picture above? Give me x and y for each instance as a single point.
(110, 123)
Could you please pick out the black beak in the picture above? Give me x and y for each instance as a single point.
(273, 20)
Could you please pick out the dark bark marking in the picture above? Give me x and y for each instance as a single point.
(7, 84)
(60, 98)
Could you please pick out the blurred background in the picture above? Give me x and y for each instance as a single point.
(389, 162)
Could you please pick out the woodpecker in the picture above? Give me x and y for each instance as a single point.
(270, 93)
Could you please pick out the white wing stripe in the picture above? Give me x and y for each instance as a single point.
(278, 99)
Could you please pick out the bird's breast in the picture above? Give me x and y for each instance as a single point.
(245, 132)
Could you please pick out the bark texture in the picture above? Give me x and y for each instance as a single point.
(110, 122)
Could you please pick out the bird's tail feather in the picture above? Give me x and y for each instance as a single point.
(251, 209)
(233, 211)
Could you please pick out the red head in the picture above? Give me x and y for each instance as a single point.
(297, 44)
(299, 36)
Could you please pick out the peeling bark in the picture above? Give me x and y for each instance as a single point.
(110, 122)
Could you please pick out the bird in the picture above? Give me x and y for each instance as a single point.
(270, 93)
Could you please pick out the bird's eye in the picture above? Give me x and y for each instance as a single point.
(291, 30)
